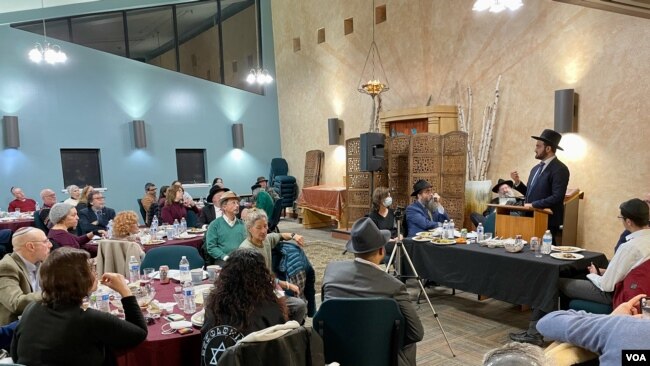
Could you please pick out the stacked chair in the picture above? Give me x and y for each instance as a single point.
(283, 183)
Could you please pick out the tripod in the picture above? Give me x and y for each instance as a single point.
(395, 259)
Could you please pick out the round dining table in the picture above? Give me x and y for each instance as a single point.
(195, 241)
(165, 349)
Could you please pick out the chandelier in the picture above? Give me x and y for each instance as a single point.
(497, 6)
(373, 80)
(259, 76)
(50, 53)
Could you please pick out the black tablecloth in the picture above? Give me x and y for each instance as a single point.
(517, 278)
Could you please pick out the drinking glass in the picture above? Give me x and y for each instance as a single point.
(179, 301)
(147, 275)
(145, 236)
(487, 236)
(535, 247)
(170, 233)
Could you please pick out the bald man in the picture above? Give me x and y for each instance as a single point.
(49, 199)
(19, 282)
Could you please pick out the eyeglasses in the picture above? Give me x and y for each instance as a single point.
(621, 217)
(153, 189)
(42, 241)
(98, 197)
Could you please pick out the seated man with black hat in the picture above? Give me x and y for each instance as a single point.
(599, 287)
(212, 210)
(505, 196)
(426, 212)
(363, 277)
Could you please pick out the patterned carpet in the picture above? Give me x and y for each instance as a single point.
(320, 253)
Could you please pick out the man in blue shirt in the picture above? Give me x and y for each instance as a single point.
(425, 213)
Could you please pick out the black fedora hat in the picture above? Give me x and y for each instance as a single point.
(420, 185)
(550, 137)
(214, 190)
(366, 237)
(495, 189)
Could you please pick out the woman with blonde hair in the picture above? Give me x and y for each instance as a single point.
(83, 198)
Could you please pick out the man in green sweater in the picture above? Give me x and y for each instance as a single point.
(225, 233)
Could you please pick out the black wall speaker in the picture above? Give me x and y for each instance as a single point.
(566, 101)
(372, 152)
(334, 130)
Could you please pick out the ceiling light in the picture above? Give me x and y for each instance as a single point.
(50, 53)
(259, 76)
(497, 6)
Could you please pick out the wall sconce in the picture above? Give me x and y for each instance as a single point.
(139, 134)
(10, 130)
(238, 136)
(334, 131)
(566, 108)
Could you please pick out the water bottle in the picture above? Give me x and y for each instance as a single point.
(479, 232)
(183, 225)
(134, 269)
(445, 227)
(189, 306)
(37, 207)
(154, 228)
(102, 301)
(451, 229)
(109, 229)
(176, 227)
(184, 270)
(547, 241)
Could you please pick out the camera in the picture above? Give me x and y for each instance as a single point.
(398, 213)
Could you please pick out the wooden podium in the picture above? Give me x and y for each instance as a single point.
(527, 222)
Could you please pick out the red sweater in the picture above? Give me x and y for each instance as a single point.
(25, 206)
(175, 211)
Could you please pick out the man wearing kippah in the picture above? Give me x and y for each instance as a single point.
(19, 282)
(363, 277)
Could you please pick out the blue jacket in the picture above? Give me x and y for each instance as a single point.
(291, 263)
(549, 190)
(417, 219)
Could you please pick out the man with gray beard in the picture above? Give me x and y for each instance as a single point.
(505, 196)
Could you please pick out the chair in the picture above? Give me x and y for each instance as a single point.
(274, 220)
(590, 306)
(171, 256)
(490, 223)
(38, 223)
(283, 183)
(220, 338)
(143, 212)
(114, 255)
(191, 219)
(360, 331)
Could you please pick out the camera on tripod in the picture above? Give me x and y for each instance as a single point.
(398, 213)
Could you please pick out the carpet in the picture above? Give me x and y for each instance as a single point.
(320, 253)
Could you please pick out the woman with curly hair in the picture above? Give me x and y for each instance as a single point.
(58, 331)
(125, 226)
(243, 296)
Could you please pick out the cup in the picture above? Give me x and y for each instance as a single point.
(170, 233)
(487, 236)
(197, 276)
(179, 301)
(147, 275)
(535, 247)
(213, 272)
(645, 307)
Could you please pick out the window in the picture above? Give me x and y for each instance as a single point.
(190, 165)
(81, 167)
(151, 36)
(103, 32)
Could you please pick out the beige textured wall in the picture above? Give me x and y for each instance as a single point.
(429, 46)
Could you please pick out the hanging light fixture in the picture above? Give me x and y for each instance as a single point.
(50, 53)
(259, 76)
(373, 80)
(497, 6)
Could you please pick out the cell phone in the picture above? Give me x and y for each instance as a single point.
(174, 317)
(185, 330)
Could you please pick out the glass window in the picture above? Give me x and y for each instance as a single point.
(57, 29)
(198, 36)
(190, 165)
(81, 167)
(151, 36)
(104, 32)
(240, 42)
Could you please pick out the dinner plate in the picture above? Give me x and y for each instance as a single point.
(155, 242)
(196, 230)
(198, 292)
(175, 275)
(420, 238)
(425, 234)
(566, 249)
(443, 241)
(198, 318)
(186, 236)
(563, 256)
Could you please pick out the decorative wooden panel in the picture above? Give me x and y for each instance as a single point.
(397, 154)
(358, 183)
(454, 160)
(425, 160)
(313, 167)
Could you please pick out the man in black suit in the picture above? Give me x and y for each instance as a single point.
(96, 216)
(547, 181)
(546, 188)
(363, 277)
(212, 210)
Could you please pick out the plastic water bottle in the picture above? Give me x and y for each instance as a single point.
(184, 270)
(480, 231)
(134, 269)
(183, 225)
(451, 229)
(445, 227)
(102, 301)
(37, 207)
(176, 227)
(109, 229)
(547, 241)
(189, 306)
